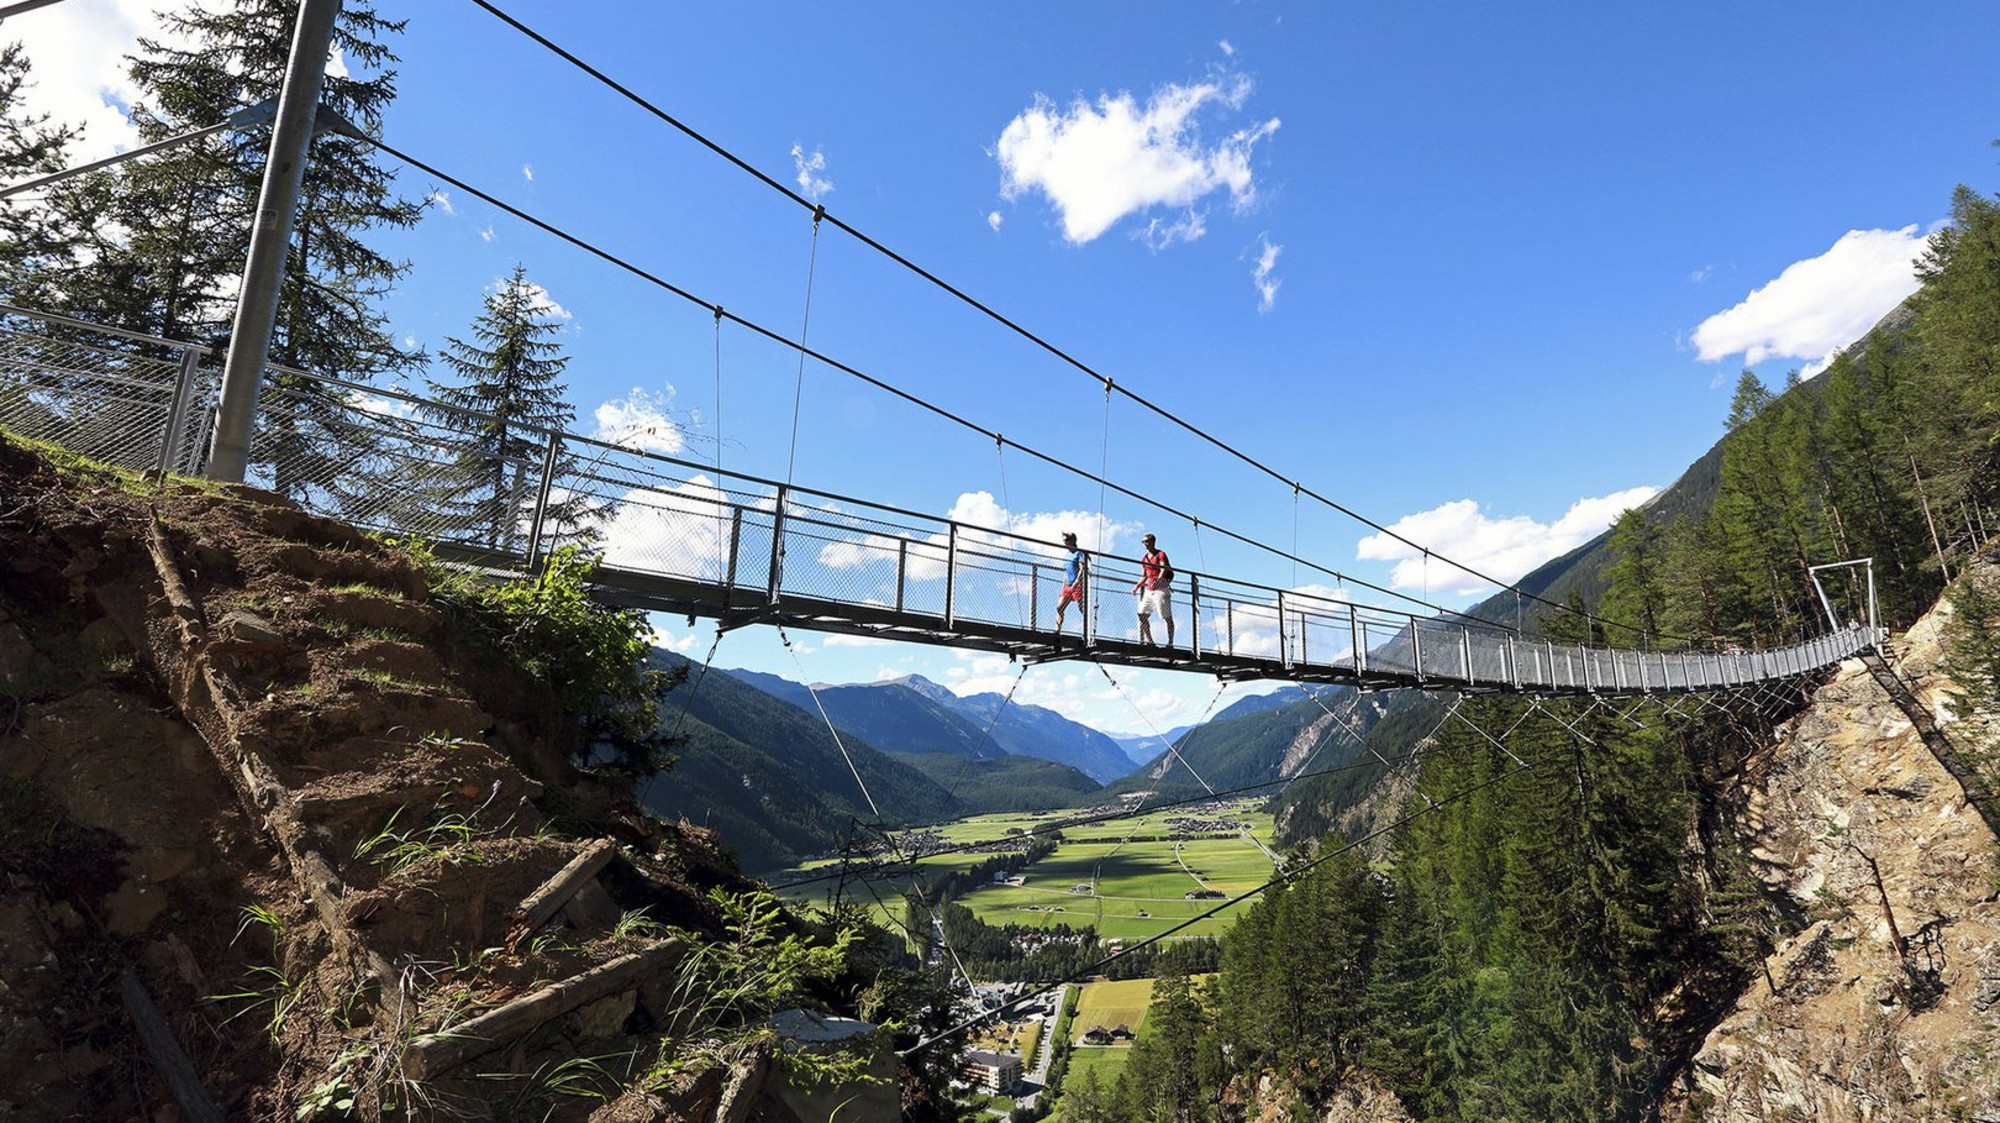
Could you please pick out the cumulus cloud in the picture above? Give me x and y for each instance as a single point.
(993, 220)
(1267, 285)
(1098, 163)
(1819, 305)
(78, 51)
(681, 529)
(810, 178)
(1505, 548)
(642, 419)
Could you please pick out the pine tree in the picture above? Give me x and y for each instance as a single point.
(509, 389)
(1637, 595)
(33, 236)
(172, 230)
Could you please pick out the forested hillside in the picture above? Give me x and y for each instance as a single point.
(1555, 939)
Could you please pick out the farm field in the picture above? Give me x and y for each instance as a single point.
(1136, 889)
(1106, 1003)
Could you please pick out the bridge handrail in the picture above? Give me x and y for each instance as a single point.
(382, 457)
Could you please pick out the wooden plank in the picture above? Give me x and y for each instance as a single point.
(167, 1054)
(501, 1026)
(554, 893)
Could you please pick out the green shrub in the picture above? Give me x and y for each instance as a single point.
(592, 657)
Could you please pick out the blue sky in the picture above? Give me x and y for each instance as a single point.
(1485, 272)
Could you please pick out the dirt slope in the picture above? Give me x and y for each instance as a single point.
(242, 764)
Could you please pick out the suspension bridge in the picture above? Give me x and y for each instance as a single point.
(676, 536)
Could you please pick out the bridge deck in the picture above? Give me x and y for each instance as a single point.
(675, 537)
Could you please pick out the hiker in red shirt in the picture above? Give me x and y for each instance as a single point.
(1156, 575)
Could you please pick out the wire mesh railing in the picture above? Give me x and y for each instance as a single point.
(510, 493)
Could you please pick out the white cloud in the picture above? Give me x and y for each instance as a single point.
(838, 639)
(1098, 163)
(442, 200)
(1819, 305)
(1267, 285)
(77, 51)
(682, 530)
(1503, 548)
(487, 233)
(1228, 49)
(664, 637)
(809, 178)
(1697, 276)
(1159, 234)
(528, 172)
(993, 220)
(642, 419)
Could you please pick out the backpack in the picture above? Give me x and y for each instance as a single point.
(1166, 569)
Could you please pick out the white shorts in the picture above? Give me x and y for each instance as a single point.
(1156, 600)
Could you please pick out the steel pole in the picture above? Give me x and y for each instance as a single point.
(270, 237)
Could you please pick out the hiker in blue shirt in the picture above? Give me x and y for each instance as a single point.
(1075, 576)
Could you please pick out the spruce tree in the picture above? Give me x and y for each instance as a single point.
(172, 230)
(34, 238)
(509, 388)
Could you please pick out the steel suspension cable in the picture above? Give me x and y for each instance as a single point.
(688, 702)
(799, 386)
(838, 743)
(1002, 319)
(895, 391)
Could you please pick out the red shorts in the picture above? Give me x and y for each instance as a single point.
(1071, 593)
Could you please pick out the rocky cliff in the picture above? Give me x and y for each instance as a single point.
(1884, 1004)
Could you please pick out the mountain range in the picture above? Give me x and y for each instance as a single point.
(914, 715)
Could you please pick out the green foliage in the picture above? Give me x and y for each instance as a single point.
(723, 990)
(592, 658)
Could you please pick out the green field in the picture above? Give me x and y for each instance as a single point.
(1137, 889)
(1105, 1003)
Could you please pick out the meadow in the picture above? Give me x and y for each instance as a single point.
(1138, 879)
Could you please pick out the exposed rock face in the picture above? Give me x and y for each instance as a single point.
(1886, 1004)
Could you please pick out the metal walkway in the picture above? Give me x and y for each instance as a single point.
(674, 538)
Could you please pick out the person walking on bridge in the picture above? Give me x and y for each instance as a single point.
(1156, 576)
(1075, 577)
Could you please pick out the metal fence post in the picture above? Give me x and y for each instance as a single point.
(735, 540)
(1284, 648)
(1194, 614)
(902, 568)
(1034, 595)
(950, 572)
(176, 430)
(1417, 648)
(777, 572)
(538, 526)
(1465, 650)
